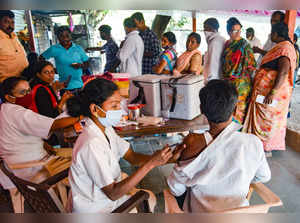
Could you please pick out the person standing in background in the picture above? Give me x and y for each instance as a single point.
(131, 50)
(238, 64)
(110, 49)
(70, 59)
(253, 40)
(12, 54)
(276, 17)
(151, 43)
(215, 47)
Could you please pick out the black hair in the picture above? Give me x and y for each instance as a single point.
(96, 92)
(138, 16)
(105, 28)
(232, 22)
(282, 30)
(7, 13)
(129, 23)
(295, 37)
(61, 29)
(171, 37)
(29, 72)
(41, 64)
(8, 85)
(280, 13)
(32, 58)
(218, 100)
(196, 36)
(250, 30)
(213, 23)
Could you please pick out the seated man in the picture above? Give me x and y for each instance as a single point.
(217, 167)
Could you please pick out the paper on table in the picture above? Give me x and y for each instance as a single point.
(260, 99)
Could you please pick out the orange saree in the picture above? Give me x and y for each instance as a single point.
(265, 121)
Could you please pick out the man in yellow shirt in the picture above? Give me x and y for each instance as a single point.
(12, 55)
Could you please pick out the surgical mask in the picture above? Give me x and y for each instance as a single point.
(113, 117)
(25, 101)
(208, 34)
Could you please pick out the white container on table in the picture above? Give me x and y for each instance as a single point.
(180, 96)
(149, 84)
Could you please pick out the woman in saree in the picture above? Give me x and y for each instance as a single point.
(190, 62)
(168, 57)
(238, 63)
(274, 81)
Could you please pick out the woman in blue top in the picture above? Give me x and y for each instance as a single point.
(168, 57)
(69, 57)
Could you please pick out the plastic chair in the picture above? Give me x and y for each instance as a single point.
(41, 197)
(270, 199)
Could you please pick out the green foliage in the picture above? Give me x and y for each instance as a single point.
(173, 24)
(94, 17)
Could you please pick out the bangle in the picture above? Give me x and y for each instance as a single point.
(273, 92)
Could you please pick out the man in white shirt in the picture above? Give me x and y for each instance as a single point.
(131, 50)
(253, 40)
(216, 174)
(215, 45)
(276, 17)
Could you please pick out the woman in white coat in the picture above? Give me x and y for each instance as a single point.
(22, 132)
(95, 174)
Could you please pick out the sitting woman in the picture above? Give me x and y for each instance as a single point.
(168, 56)
(190, 62)
(22, 132)
(95, 174)
(216, 168)
(45, 100)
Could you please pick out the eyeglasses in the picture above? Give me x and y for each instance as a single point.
(24, 91)
(235, 31)
(49, 72)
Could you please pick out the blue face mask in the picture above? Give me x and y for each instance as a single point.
(113, 117)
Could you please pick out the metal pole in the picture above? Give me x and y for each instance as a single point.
(28, 19)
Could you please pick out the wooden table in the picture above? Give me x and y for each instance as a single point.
(172, 125)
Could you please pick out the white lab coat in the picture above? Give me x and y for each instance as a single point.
(212, 58)
(131, 54)
(95, 164)
(21, 139)
(219, 177)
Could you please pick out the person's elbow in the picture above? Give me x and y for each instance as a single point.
(263, 178)
(156, 70)
(112, 192)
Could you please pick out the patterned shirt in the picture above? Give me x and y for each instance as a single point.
(111, 49)
(170, 56)
(152, 45)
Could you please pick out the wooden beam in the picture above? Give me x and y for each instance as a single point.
(194, 21)
(290, 20)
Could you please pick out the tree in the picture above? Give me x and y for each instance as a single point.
(94, 17)
(175, 24)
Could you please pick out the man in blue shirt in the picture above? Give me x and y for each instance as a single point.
(110, 49)
(69, 57)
